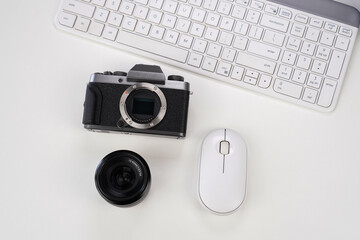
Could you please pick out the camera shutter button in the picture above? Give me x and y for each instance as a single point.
(176, 78)
(119, 73)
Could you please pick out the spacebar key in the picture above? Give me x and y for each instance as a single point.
(151, 46)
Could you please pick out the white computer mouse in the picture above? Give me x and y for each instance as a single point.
(222, 171)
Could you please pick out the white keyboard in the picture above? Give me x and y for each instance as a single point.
(259, 45)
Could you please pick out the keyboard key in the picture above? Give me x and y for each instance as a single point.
(318, 67)
(127, 8)
(171, 36)
(141, 12)
(198, 15)
(304, 62)
(110, 33)
(197, 29)
(256, 63)
(299, 76)
(212, 19)
(327, 93)
(210, 4)
(237, 73)
(265, 81)
(312, 34)
(264, 50)
(142, 28)
(157, 32)
(113, 4)
(96, 28)
(252, 74)
(152, 46)
(314, 81)
(345, 31)
(293, 44)
(183, 25)
(308, 48)
(168, 21)
(200, 45)
(327, 39)
(129, 23)
(240, 42)
(289, 58)
(82, 24)
(238, 12)
(226, 38)
(274, 23)
(301, 18)
(256, 32)
(285, 13)
(184, 10)
(156, 3)
(336, 64)
(224, 8)
(250, 80)
(271, 9)
(342, 43)
(285, 71)
(209, 64)
(253, 16)
(170, 6)
(211, 34)
(80, 8)
(185, 41)
(101, 14)
(298, 30)
(241, 28)
(257, 5)
(195, 60)
(115, 19)
(195, 2)
(310, 95)
(316, 22)
(98, 2)
(67, 19)
(331, 27)
(228, 54)
(214, 50)
(155, 16)
(323, 52)
(287, 88)
(224, 69)
(227, 23)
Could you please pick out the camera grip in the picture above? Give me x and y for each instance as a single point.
(92, 105)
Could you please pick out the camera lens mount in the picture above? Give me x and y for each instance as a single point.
(143, 106)
(123, 178)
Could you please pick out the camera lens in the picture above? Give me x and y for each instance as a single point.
(123, 178)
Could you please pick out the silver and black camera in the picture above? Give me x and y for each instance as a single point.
(140, 101)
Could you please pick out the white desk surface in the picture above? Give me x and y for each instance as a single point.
(303, 166)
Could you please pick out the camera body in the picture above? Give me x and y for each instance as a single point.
(140, 101)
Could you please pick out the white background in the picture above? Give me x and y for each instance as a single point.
(303, 166)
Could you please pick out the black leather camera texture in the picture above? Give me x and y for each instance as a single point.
(101, 107)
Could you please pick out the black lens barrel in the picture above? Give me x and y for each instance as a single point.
(123, 178)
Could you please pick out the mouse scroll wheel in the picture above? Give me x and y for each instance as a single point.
(224, 147)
